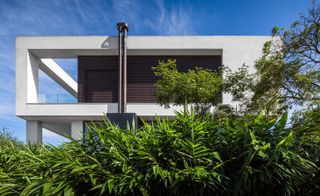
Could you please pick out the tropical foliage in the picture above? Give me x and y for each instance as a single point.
(6, 138)
(287, 74)
(189, 155)
(201, 87)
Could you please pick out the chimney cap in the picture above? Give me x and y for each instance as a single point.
(122, 25)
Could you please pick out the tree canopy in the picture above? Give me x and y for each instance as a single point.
(199, 86)
(288, 73)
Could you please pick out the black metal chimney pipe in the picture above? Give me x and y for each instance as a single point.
(124, 62)
(122, 84)
(120, 70)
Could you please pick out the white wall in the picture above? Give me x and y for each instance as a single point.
(34, 131)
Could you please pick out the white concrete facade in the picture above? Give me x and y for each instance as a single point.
(35, 52)
(34, 131)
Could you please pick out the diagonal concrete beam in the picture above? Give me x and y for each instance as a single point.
(54, 71)
(60, 128)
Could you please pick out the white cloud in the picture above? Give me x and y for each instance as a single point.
(7, 109)
(79, 8)
(155, 16)
(175, 20)
(7, 84)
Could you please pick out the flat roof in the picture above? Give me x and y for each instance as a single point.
(73, 46)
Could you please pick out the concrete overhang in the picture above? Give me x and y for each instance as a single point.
(74, 46)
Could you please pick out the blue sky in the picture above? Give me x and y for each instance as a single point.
(145, 17)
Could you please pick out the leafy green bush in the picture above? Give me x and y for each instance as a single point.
(202, 87)
(189, 155)
(6, 138)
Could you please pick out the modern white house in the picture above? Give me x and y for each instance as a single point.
(97, 89)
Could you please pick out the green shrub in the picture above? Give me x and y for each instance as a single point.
(6, 138)
(189, 155)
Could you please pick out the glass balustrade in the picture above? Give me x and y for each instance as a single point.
(56, 98)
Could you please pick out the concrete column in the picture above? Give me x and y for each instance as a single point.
(34, 131)
(32, 78)
(77, 130)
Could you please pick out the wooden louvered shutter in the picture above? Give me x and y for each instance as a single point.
(101, 85)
